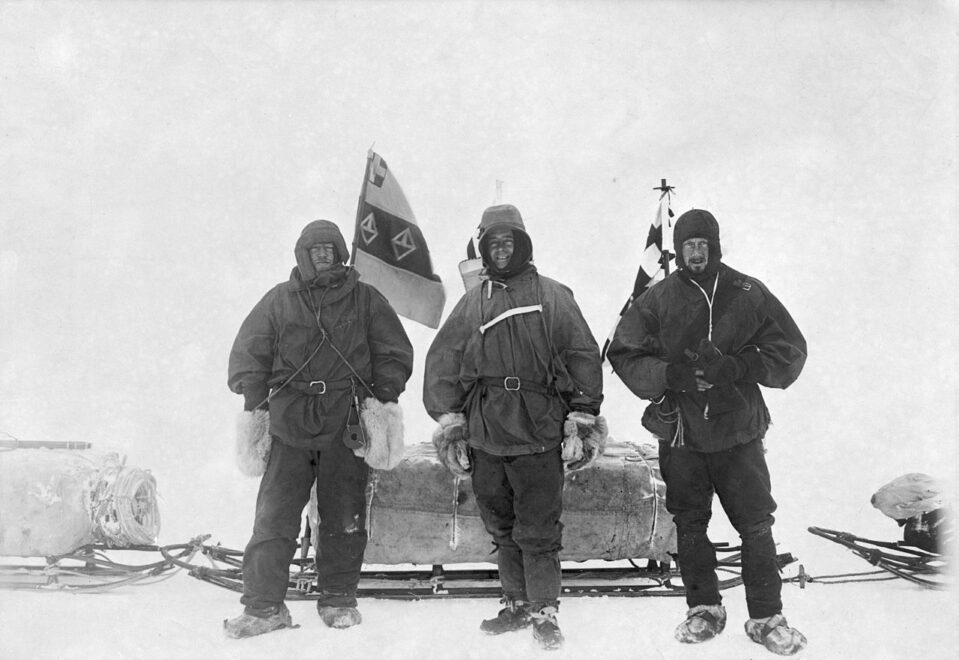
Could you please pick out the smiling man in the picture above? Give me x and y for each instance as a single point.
(514, 380)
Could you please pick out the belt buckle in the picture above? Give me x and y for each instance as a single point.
(321, 383)
(506, 382)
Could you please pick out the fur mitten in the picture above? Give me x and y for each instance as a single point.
(253, 441)
(452, 446)
(383, 425)
(584, 439)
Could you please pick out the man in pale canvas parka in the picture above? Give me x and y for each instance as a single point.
(308, 352)
(513, 378)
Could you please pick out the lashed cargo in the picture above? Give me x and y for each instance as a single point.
(615, 509)
(55, 501)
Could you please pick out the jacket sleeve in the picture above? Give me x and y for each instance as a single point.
(251, 358)
(391, 353)
(443, 391)
(781, 345)
(577, 349)
(634, 352)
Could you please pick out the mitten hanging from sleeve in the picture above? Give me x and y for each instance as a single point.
(253, 441)
(584, 439)
(451, 440)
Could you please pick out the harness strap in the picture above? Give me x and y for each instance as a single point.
(514, 384)
(508, 313)
(317, 387)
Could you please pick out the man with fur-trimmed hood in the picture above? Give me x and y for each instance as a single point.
(698, 345)
(320, 361)
(514, 379)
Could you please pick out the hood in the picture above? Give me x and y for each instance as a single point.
(505, 216)
(697, 223)
(318, 231)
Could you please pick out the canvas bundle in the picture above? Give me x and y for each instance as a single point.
(418, 513)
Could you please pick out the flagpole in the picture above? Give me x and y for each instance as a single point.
(666, 191)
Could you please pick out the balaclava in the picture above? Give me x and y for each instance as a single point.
(697, 223)
(505, 216)
(320, 231)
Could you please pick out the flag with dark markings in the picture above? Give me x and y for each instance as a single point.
(654, 262)
(389, 251)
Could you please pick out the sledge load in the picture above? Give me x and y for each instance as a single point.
(72, 507)
(53, 501)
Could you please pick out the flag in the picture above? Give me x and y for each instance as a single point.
(471, 268)
(389, 251)
(654, 262)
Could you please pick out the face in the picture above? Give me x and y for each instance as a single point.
(322, 255)
(500, 244)
(696, 254)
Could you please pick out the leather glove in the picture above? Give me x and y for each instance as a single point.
(724, 370)
(680, 377)
(719, 369)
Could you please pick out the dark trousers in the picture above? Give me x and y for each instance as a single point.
(520, 499)
(284, 491)
(740, 478)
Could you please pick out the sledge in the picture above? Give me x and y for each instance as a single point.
(426, 539)
(63, 507)
(655, 579)
(915, 501)
(90, 569)
(900, 559)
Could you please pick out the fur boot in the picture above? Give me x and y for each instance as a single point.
(452, 446)
(584, 439)
(253, 441)
(383, 424)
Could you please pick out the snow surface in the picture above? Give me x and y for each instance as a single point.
(160, 159)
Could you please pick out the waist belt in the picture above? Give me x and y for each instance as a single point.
(514, 384)
(317, 387)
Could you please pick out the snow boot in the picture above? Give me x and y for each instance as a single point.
(545, 628)
(702, 623)
(512, 617)
(775, 634)
(258, 621)
(340, 617)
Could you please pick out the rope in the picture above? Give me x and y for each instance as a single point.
(123, 506)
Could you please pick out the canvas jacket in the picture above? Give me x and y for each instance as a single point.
(672, 317)
(281, 332)
(552, 350)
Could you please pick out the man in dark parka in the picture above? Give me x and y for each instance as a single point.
(307, 352)
(514, 379)
(698, 345)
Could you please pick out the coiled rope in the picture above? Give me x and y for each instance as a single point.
(123, 506)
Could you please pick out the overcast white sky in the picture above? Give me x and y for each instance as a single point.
(159, 160)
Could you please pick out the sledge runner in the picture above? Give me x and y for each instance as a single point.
(698, 345)
(316, 354)
(514, 379)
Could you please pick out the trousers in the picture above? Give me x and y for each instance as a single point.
(520, 500)
(340, 479)
(740, 477)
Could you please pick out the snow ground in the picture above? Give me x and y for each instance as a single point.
(181, 618)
